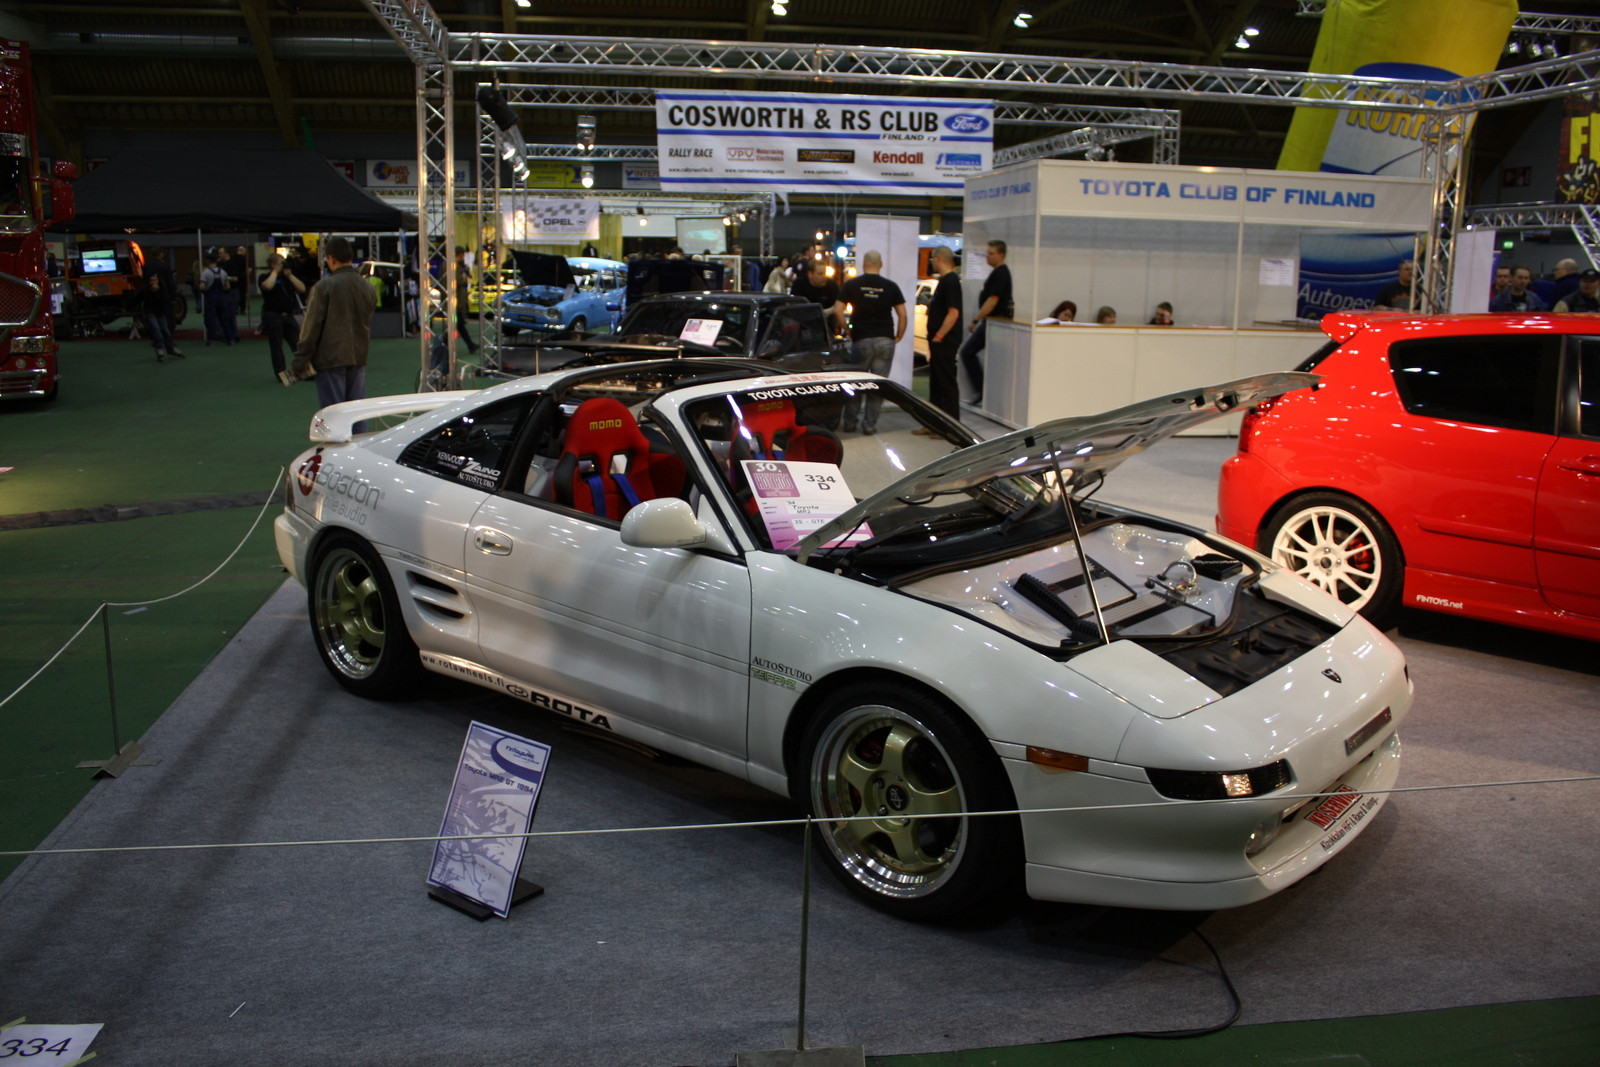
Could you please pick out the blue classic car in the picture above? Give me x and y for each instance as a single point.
(574, 294)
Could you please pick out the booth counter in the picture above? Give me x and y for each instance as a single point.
(1222, 245)
(1037, 373)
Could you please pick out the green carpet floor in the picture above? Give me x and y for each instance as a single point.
(128, 432)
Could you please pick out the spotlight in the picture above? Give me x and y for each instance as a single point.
(727, 220)
(1242, 42)
(1022, 20)
(585, 132)
(586, 176)
(1095, 154)
(819, 235)
(780, 8)
(1251, 31)
(1514, 48)
(742, 216)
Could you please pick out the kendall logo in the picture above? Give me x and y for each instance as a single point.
(897, 157)
(966, 123)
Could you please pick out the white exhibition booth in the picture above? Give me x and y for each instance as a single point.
(1221, 245)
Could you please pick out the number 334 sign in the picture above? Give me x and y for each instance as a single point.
(57, 1045)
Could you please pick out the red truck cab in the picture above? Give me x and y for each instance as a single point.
(29, 201)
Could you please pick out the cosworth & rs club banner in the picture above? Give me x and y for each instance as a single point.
(715, 142)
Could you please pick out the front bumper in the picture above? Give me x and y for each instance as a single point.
(1300, 848)
(31, 384)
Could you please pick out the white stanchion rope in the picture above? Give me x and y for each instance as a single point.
(757, 824)
(158, 600)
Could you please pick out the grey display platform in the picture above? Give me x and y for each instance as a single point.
(682, 948)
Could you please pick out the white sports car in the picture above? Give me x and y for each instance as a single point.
(899, 628)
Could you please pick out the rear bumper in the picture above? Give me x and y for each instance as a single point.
(1246, 491)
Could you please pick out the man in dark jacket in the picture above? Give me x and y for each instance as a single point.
(337, 329)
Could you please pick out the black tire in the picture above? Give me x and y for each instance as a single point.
(356, 621)
(579, 325)
(891, 751)
(1343, 547)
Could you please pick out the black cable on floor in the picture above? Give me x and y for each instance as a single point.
(1227, 983)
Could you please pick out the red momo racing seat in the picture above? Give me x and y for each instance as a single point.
(588, 478)
(768, 430)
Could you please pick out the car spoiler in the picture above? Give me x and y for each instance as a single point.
(335, 424)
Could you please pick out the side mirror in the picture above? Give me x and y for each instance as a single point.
(666, 523)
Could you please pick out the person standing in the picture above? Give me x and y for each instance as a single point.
(1396, 296)
(214, 289)
(337, 330)
(463, 291)
(877, 322)
(815, 285)
(994, 300)
(1518, 297)
(280, 299)
(238, 268)
(1586, 297)
(944, 322)
(156, 303)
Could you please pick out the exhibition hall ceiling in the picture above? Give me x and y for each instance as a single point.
(286, 69)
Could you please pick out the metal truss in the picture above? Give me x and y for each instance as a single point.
(1444, 159)
(414, 26)
(1582, 219)
(1082, 140)
(839, 64)
(572, 153)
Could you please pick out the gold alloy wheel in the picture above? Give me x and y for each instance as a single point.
(882, 775)
(349, 619)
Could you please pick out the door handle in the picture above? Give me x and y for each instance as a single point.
(491, 541)
(1585, 465)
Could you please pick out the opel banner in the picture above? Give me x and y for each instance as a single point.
(717, 142)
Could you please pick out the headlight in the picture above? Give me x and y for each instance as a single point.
(30, 345)
(550, 314)
(1220, 785)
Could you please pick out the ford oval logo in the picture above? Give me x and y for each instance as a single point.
(966, 123)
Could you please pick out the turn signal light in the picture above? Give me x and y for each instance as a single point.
(1057, 761)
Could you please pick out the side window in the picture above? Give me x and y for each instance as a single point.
(1588, 391)
(472, 449)
(1492, 381)
(798, 331)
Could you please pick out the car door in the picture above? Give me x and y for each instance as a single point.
(1481, 421)
(655, 640)
(1567, 524)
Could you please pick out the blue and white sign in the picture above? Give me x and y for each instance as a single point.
(496, 787)
(729, 142)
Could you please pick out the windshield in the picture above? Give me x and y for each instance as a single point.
(668, 319)
(797, 455)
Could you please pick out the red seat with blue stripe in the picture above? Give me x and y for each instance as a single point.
(607, 465)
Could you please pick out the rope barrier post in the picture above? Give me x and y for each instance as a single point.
(800, 1056)
(125, 756)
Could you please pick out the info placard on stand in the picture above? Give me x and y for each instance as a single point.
(494, 794)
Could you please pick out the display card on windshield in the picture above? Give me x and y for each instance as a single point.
(701, 331)
(797, 498)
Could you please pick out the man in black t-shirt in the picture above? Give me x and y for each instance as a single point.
(944, 320)
(1396, 296)
(814, 285)
(994, 299)
(877, 322)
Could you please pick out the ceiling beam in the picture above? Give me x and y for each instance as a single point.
(255, 18)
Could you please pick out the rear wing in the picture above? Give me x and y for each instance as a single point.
(335, 424)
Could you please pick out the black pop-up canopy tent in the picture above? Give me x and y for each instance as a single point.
(224, 189)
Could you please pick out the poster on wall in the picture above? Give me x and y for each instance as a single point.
(1578, 168)
(728, 142)
(496, 787)
(402, 174)
(542, 219)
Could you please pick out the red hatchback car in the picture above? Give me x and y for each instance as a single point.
(1446, 462)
